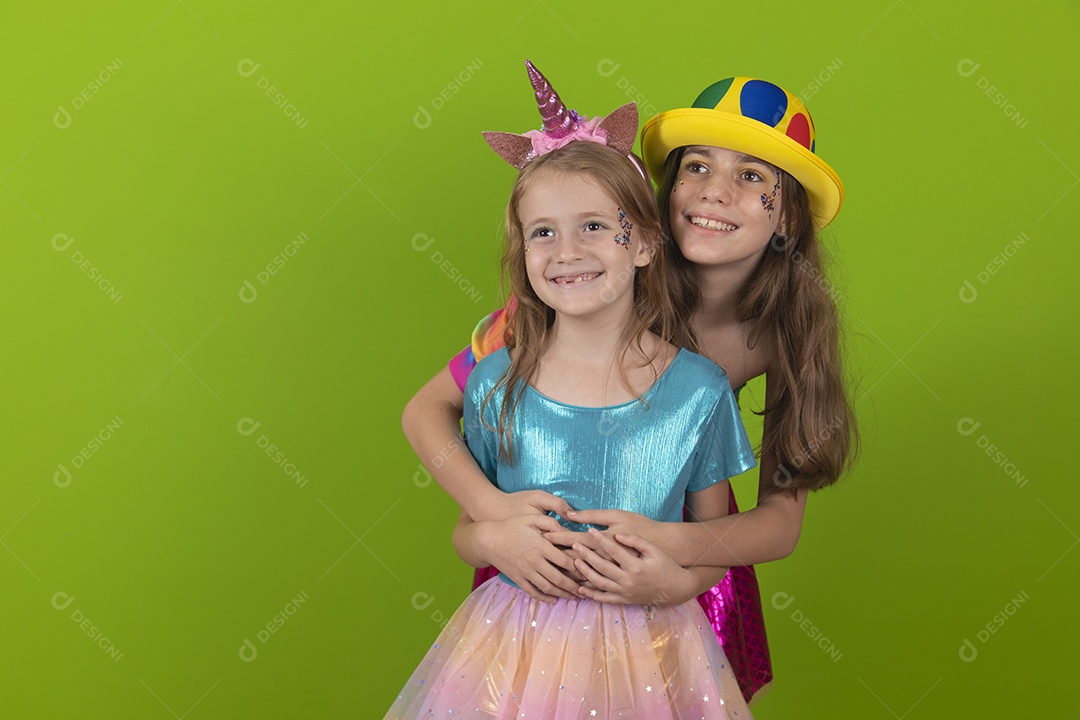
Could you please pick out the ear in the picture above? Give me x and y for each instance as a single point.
(514, 149)
(783, 223)
(621, 128)
(644, 247)
(783, 228)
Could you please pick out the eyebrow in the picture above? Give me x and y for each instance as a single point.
(580, 216)
(740, 157)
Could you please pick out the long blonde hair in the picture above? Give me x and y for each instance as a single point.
(527, 330)
(813, 436)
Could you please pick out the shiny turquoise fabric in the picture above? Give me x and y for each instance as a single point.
(640, 456)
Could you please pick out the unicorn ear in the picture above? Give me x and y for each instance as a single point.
(621, 127)
(514, 149)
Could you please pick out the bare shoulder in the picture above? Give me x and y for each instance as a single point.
(651, 351)
(649, 360)
(764, 354)
(742, 354)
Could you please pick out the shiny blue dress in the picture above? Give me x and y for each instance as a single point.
(504, 654)
(641, 456)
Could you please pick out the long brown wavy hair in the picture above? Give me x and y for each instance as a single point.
(812, 432)
(527, 330)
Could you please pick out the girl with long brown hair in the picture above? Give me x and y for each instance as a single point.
(589, 400)
(742, 195)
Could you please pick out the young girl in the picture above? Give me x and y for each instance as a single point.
(587, 402)
(757, 306)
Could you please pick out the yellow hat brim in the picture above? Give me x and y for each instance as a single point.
(702, 126)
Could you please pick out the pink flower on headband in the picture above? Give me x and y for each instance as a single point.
(563, 126)
(586, 131)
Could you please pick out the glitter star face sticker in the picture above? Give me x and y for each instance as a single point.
(623, 238)
(767, 201)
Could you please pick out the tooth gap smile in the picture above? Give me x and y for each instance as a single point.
(574, 279)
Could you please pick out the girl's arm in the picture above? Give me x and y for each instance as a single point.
(431, 422)
(767, 532)
(517, 547)
(642, 573)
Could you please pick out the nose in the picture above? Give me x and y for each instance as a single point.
(717, 188)
(569, 247)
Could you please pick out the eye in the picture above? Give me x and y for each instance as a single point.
(541, 232)
(594, 225)
(751, 175)
(695, 167)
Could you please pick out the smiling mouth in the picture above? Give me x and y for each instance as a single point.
(711, 224)
(575, 279)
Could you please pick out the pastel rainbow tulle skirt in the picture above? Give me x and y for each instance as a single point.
(505, 655)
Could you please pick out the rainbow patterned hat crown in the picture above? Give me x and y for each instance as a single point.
(755, 117)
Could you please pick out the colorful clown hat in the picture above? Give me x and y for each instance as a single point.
(757, 118)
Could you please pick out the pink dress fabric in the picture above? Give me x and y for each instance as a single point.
(504, 655)
(733, 607)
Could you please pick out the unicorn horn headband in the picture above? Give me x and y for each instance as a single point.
(563, 126)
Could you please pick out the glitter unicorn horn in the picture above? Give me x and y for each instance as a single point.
(563, 126)
(559, 120)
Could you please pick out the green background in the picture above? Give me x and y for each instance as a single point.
(135, 584)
